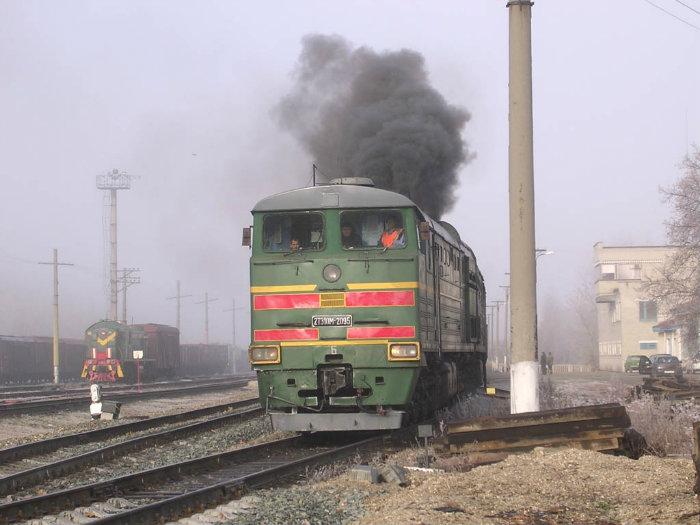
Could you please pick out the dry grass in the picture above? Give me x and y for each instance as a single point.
(666, 426)
(471, 406)
(552, 397)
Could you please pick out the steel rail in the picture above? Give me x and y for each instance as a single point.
(46, 404)
(29, 391)
(181, 504)
(193, 501)
(52, 444)
(36, 475)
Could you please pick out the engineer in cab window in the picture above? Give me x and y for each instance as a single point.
(393, 236)
(349, 237)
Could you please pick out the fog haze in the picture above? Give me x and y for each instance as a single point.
(181, 95)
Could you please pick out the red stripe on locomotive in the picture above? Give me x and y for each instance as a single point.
(286, 301)
(402, 298)
(367, 332)
(290, 334)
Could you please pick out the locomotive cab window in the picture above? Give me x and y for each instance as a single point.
(293, 232)
(372, 229)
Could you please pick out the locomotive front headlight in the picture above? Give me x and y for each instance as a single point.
(404, 351)
(264, 355)
(331, 273)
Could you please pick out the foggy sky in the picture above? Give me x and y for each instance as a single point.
(181, 94)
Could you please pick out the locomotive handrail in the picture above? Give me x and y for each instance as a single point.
(384, 259)
(270, 263)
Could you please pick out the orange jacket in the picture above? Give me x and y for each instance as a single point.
(389, 238)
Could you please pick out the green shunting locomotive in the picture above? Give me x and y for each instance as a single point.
(365, 312)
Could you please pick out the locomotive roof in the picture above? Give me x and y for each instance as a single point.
(333, 196)
(108, 322)
(340, 194)
(155, 327)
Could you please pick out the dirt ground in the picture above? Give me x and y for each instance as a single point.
(545, 486)
(21, 428)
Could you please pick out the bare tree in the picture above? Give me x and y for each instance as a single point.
(585, 327)
(570, 330)
(677, 287)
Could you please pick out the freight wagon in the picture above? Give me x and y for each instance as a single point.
(200, 359)
(365, 311)
(30, 359)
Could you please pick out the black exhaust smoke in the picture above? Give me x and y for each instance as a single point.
(360, 113)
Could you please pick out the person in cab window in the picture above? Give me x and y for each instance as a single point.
(393, 236)
(349, 238)
(294, 245)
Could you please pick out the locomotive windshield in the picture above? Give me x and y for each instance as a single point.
(293, 232)
(372, 229)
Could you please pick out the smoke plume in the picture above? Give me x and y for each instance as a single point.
(360, 113)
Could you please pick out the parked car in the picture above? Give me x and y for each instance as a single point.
(635, 363)
(645, 366)
(694, 363)
(664, 365)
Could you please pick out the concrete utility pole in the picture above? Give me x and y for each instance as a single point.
(524, 370)
(178, 296)
(497, 342)
(56, 353)
(113, 181)
(206, 315)
(232, 354)
(126, 280)
(489, 320)
(506, 329)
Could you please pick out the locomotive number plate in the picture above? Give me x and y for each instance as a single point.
(331, 320)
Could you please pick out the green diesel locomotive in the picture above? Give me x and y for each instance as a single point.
(130, 353)
(365, 311)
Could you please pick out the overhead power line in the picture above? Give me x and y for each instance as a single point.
(669, 13)
(689, 7)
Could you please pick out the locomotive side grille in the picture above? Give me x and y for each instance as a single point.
(332, 300)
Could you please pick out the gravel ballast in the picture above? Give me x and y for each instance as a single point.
(18, 429)
(230, 437)
(304, 504)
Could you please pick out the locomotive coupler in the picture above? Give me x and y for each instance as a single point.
(333, 380)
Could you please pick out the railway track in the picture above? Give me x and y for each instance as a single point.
(177, 490)
(64, 455)
(60, 402)
(48, 391)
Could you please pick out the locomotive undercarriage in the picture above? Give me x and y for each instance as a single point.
(446, 376)
(337, 401)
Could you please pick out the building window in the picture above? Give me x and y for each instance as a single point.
(647, 311)
(607, 272)
(647, 345)
(610, 348)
